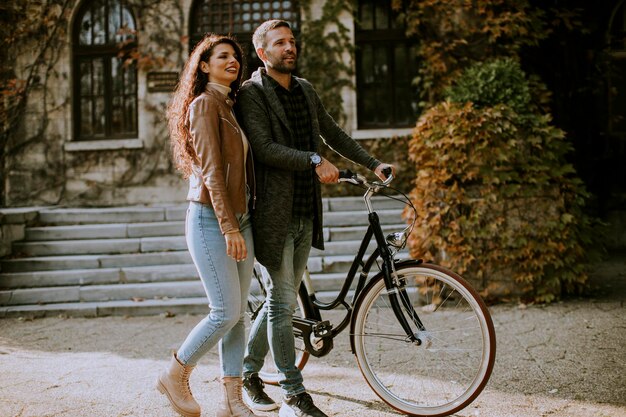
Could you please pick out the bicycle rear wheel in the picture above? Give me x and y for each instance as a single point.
(269, 374)
(451, 366)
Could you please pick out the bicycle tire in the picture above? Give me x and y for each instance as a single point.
(446, 372)
(269, 374)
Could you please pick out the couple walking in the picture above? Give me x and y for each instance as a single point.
(241, 207)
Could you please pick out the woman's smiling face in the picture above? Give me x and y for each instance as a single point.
(223, 67)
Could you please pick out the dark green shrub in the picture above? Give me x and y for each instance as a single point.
(499, 81)
(496, 199)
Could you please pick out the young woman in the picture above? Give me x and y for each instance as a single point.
(213, 153)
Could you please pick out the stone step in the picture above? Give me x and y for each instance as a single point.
(127, 307)
(338, 263)
(328, 281)
(127, 275)
(329, 264)
(318, 262)
(100, 246)
(133, 291)
(107, 215)
(357, 204)
(341, 233)
(136, 306)
(359, 218)
(98, 276)
(177, 228)
(134, 260)
(141, 214)
(89, 293)
(51, 263)
(342, 247)
(105, 231)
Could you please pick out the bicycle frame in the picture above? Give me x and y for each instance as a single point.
(398, 298)
(419, 371)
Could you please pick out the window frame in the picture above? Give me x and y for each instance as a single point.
(106, 53)
(243, 37)
(388, 38)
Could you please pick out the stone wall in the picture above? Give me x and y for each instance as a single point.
(47, 166)
(13, 223)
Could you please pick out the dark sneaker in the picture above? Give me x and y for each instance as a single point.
(254, 396)
(300, 405)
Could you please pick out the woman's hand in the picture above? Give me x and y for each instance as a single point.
(236, 246)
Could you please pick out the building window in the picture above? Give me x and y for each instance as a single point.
(240, 18)
(105, 80)
(386, 63)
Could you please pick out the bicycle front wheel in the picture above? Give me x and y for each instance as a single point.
(450, 367)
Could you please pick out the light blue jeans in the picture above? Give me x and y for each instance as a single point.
(274, 322)
(227, 284)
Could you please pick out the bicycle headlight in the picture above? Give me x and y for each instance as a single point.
(397, 239)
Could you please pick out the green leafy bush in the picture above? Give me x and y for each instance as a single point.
(500, 81)
(496, 199)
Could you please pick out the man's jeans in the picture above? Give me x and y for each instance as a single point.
(227, 284)
(274, 322)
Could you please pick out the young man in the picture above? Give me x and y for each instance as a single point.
(285, 121)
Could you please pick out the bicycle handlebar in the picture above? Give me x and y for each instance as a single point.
(348, 176)
(372, 187)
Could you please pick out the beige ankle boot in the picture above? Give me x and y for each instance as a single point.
(231, 404)
(174, 383)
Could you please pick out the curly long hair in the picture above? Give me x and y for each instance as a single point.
(191, 84)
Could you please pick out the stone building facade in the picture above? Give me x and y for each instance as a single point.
(93, 132)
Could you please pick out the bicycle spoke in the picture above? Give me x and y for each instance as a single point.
(448, 368)
(398, 337)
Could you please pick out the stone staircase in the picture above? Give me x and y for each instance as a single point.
(92, 262)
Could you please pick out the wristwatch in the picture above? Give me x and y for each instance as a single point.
(316, 160)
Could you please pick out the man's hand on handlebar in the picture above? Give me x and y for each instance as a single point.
(383, 171)
(327, 172)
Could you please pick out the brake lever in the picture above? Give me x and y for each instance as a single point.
(383, 183)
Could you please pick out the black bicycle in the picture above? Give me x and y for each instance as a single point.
(422, 336)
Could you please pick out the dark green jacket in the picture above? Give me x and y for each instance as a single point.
(261, 115)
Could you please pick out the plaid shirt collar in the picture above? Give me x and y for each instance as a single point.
(293, 84)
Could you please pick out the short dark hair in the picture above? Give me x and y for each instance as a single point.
(258, 38)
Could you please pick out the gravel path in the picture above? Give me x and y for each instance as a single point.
(566, 359)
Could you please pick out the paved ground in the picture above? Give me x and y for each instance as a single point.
(567, 359)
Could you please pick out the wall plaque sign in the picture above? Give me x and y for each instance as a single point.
(162, 82)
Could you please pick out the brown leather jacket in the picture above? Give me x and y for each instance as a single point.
(219, 180)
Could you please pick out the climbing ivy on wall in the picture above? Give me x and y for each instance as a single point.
(327, 53)
(35, 28)
(34, 42)
(456, 33)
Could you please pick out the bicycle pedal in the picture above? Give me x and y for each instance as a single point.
(323, 329)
